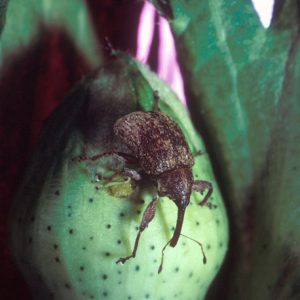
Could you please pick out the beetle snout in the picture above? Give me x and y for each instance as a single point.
(177, 185)
(180, 217)
(183, 201)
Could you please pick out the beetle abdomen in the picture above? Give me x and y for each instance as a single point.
(155, 140)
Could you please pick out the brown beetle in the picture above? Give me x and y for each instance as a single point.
(158, 146)
(162, 152)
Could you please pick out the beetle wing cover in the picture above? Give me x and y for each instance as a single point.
(156, 140)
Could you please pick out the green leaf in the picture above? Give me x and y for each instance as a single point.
(242, 87)
(3, 5)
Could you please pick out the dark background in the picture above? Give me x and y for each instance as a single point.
(32, 85)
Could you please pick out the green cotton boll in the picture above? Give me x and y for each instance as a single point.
(70, 222)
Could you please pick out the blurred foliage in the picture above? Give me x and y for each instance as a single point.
(45, 47)
(242, 86)
(3, 5)
(70, 16)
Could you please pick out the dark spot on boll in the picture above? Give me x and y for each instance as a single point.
(122, 215)
(137, 268)
(138, 212)
(69, 206)
(83, 248)
(91, 200)
(55, 246)
(104, 276)
(218, 221)
(176, 269)
(191, 274)
(152, 247)
(71, 231)
(105, 294)
(81, 268)
(49, 227)
(119, 272)
(67, 286)
(220, 244)
(119, 242)
(107, 253)
(29, 240)
(147, 296)
(208, 246)
(91, 238)
(197, 223)
(57, 259)
(108, 226)
(57, 192)
(32, 219)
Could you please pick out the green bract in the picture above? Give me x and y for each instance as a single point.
(69, 226)
(243, 86)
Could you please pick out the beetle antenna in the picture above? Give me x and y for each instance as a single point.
(201, 246)
(162, 256)
(164, 248)
(156, 101)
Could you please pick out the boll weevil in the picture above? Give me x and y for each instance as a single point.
(158, 146)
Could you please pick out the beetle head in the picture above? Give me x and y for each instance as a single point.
(177, 185)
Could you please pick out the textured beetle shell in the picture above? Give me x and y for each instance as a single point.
(155, 140)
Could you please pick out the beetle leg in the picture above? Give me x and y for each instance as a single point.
(156, 101)
(96, 157)
(199, 153)
(200, 186)
(127, 158)
(148, 216)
